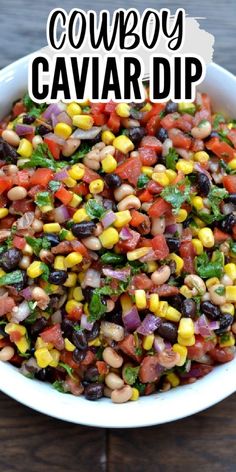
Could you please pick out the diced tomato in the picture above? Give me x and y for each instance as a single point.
(142, 281)
(221, 149)
(22, 206)
(89, 358)
(97, 108)
(187, 252)
(110, 107)
(137, 218)
(149, 371)
(222, 354)
(149, 389)
(179, 139)
(22, 178)
(130, 170)
(18, 108)
(148, 156)
(34, 190)
(129, 244)
(145, 196)
(160, 247)
(67, 358)
(90, 175)
(53, 335)
(201, 347)
(63, 195)
(166, 291)
(6, 305)
(144, 242)
(201, 116)
(160, 208)
(220, 236)
(75, 314)
(184, 122)
(53, 147)
(19, 242)
(155, 111)
(99, 120)
(197, 370)
(129, 348)
(113, 122)
(152, 125)
(229, 182)
(5, 183)
(154, 187)
(102, 367)
(152, 142)
(197, 145)
(81, 189)
(169, 120)
(232, 136)
(77, 246)
(41, 176)
(6, 223)
(206, 102)
(3, 201)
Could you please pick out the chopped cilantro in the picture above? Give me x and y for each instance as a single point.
(67, 368)
(41, 157)
(224, 337)
(112, 258)
(96, 307)
(142, 181)
(33, 312)
(80, 154)
(59, 386)
(33, 109)
(140, 387)
(46, 271)
(232, 245)
(38, 243)
(43, 199)
(14, 277)
(27, 101)
(177, 195)
(94, 209)
(171, 159)
(217, 120)
(207, 269)
(137, 267)
(223, 136)
(54, 185)
(63, 234)
(220, 290)
(131, 374)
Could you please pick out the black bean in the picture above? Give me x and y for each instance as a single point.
(189, 308)
(173, 244)
(95, 140)
(10, 259)
(38, 326)
(84, 229)
(90, 335)
(231, 198)
(226, 320)
(88, 293)
(228, 223)
(79, 340)
(211, 311)
(8, 152)
(91, 374)
(78, 355)
(171, 107)
(115, 317)
(94, 391)
(57, 277)
(20, 285)
(176, 301)
(136, 134)
(67, 327)
(28, 119)
(47, 374)
(109, 204)
(162, 135)
(52, 238)
(203, 184)
(168, 331)
(113, 180)
(42, 130)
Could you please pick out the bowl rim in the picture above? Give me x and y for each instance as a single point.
(155, 409)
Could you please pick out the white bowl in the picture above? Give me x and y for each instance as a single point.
(155, 409)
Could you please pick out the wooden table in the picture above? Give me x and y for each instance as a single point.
(31, 442)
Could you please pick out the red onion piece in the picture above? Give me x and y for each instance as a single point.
(171, 229)
(53, 137)
(54, 120)
(23, 130)
(214, 325)
(62, 175)
(26, 220)
(125, 233)
(131, 319)
(85, 324)
(54, 108)
(116, 274)
(63, 117)
(108, 219)
(150, 256)
(21, 312)
(92, 279)
(159, 344)
(26, 293)
(61, 214)
(87, 134)
(149, 324)
(201, 326)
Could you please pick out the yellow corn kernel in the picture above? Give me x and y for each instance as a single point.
(86, 310)
(22, 345)
(73, 259)
(76, 200)
(77, 171)
(3, 212)
(171, 174)
(123, 144)
(137, 253)
(162, 309)
(81, 276)
(40, 344)
(27, 250)
(201, 156)
(140, 299)
(151, 266)
(96, 186)
(51, 228)
(227, 308)
(55, 358)
(186, 341)
(206, 236)
(71, 280)
(199, 222)
(146, 107)
(95, 342)
(185, 291)
(147, 171)
(126, 302)
(212, 281)
(227, 340)
(35, 269)
(109, 164)
(2, 273)
(197, 202)
(25, 148)
(135, 394)
(182, 351)
(178, 261)
(72, 305)
(109, 237)
(73, 109)
(161, 178)
(172, 314)
(186, 328)
(78, 294)
(230, 270)
(123, 110)
(173, 379)
(70, 294)
(184, 166)
(232, 164)
(10, 327)
(230, 293)
(10, 125)
(122, 218)
(198, 246)
(148, 342)
(59, 263)
(69, 346)
(43, 357)
(80, 215)
(63, 130)
(46, 208)
(182, 215)
(69, 236)
(83, 121)
(153, 302)
(70, 183)
(107, 137)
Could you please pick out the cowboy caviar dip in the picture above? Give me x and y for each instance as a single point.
(118, 244)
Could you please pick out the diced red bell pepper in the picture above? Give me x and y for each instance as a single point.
(220, 236)
(53, 147)
(169, 120)
(41, 176)
(221, 149)
(129, 244)
(114, 122)
(179, 139)
(145, 196)
(64, 195)
(137, 218)
(229, 182)
(22, 178)
(160, 208)
(187, 252)
(5, 183)
(160, 247)
(19, 242)
(152, 125)
(81, 189)
(53, 335)
(156, 109)
(110, 107)
(148, 156)
(130, 170)
(151, 142)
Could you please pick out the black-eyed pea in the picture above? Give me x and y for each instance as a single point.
(161, 275)
(122, 395)
(123, 191)
(129, 202)
(113, 381)
(6, 353)
(112, 358)
(16, 193)
(11, 137)
(217, 298)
